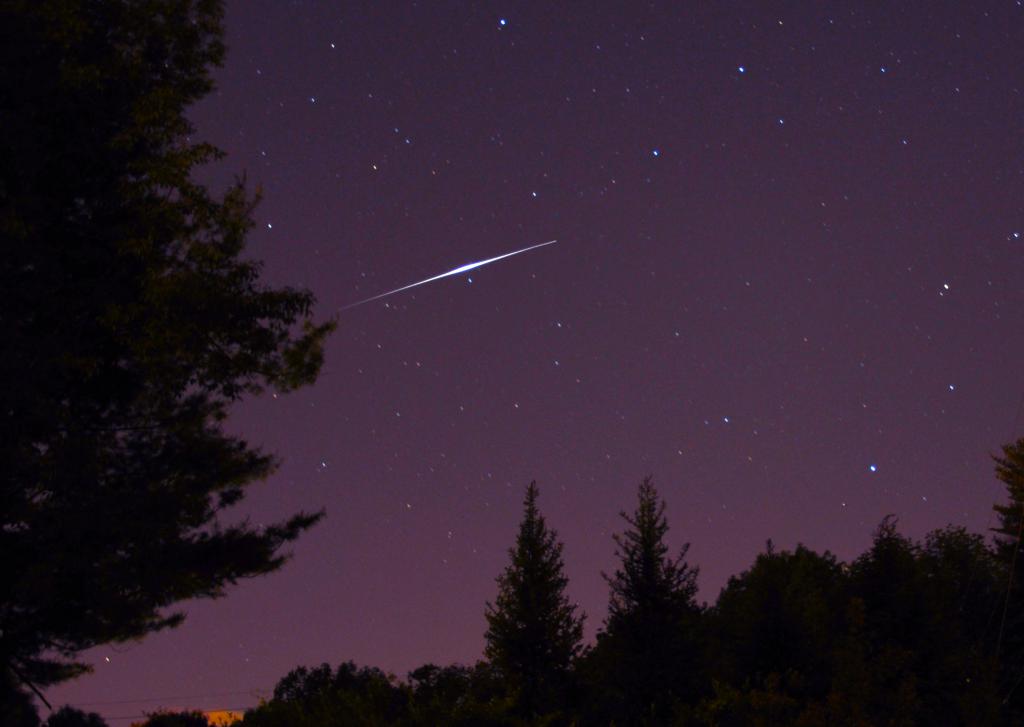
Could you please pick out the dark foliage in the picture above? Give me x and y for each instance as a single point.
(1008, 532)
(648, 657)
(905, 634)
(71, 717)
(533, 632)
(775, 625)
(323, 697)
(132, 322)
(459, 695)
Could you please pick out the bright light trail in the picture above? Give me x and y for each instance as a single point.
(456, 271)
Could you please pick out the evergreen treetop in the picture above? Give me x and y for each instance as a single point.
(648, 580)
(648, 660)
(1010, 469)
(533, 631)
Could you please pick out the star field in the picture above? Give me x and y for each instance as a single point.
(787, 284)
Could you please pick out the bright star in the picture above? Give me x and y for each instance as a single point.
(873, 468)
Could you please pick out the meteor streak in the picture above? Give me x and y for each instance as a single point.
(456, 271)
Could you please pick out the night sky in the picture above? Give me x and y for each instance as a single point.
(787, 284)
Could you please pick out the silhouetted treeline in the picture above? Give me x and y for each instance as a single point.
(909, 633)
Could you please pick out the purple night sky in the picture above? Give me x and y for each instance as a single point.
(788, 284)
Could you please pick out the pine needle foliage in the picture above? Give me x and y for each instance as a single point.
(533, 630)
(649, 652)
(133, 320)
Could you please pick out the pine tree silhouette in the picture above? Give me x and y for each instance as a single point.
(534, 633)
(651, 647)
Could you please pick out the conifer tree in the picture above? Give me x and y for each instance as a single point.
(533, 631)
(133, 319)
(1008, 550)
(651, 650)
(1010, 469)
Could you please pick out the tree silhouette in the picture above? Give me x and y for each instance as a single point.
(459, 696)
(1008, 546)
(71, 717)
(888, 579)
(533, 632)
(1008, 550)
(963, 586)
(774, 625)
(902, 635)
(320, 697)
(1010, 470)
(131, 325)
(649, 653)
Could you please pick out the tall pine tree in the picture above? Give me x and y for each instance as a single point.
(1008, 547)
(533, 631)
(133, 320)
(649, 653)
(1010, 469)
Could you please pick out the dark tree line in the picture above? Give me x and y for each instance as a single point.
(908, 633)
